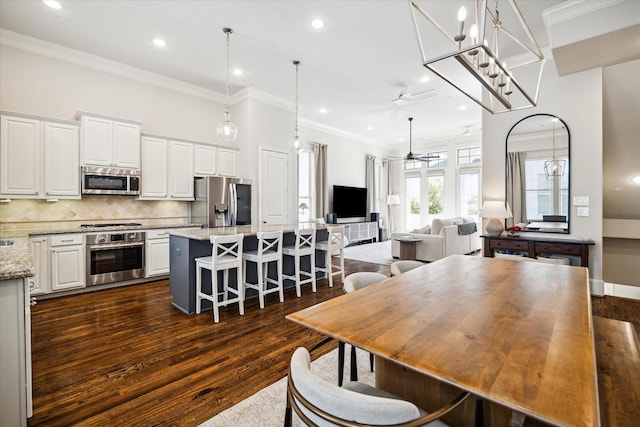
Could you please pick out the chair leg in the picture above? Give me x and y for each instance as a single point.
(342, 263)
(262, 281)
(240, 290)
(479, 422)
(354, 365)
(279, 278)
(214, 293)
(313, 272)
(297, 275)
(198, 288)
(340, 362)
(329, 268)
(288, 415)
(371, 361)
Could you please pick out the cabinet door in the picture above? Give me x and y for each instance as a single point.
(19, 156)
(97, 141)
(227, 162)
(61, 156)
(39, 252)
(126, 145)
(67, 267)
(154, 168)
(204, 160)
(180, 170)
(157, 257)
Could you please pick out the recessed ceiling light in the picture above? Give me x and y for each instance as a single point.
(322, 111)
(462, 107)
(238, 72)
(159, 43)
(317, 23)
(53, 4)
(636, 179)
(425, 79)
(401, 139)
(370, 127)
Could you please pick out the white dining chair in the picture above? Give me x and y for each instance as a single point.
(305, 246)
(332, 247)
(399, 267)
(269, 251)
(226, 254)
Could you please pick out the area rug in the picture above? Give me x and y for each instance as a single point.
(266, 407)
(377, 253)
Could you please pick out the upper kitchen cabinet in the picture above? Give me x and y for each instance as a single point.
(204, 160)
(108, 141)
(227, 162)
(38, 158)
(167, 169)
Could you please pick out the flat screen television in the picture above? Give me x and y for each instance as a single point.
(350, 202)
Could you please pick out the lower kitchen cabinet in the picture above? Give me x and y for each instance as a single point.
(40, 257)
(67, 262)
(157, 253)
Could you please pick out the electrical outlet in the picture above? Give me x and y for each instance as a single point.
(581, 201)
(582, 212)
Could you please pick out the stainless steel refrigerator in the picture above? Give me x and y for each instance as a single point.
(221, 202)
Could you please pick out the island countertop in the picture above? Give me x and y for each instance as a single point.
(15, 260)
(247, 230)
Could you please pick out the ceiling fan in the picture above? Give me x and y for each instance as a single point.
(411, 156)
(406, 96)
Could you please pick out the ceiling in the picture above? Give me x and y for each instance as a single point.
(354, 67)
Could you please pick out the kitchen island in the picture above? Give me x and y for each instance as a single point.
(187, 245)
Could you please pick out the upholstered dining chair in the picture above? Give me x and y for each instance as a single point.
(399, 267)
(352, 283)
(319, 402)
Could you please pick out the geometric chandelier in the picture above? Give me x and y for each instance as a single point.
(476, 56)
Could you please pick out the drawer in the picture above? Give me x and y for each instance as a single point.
(158, 234)
(67, 239)
(557, 248)
(511, 245)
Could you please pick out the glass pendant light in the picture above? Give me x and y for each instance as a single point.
(297, 143)
(226, 130)
(554, 168)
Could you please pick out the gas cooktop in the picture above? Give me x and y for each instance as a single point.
(117, 224)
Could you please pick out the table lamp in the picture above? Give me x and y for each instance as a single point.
(494, 210)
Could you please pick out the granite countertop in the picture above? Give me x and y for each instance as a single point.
(247, 230)
(15, 260)
(113, 228)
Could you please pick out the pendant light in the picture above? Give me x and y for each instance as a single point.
(554, 168)
(296, 143)
(226, 130)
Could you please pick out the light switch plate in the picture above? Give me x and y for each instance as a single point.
(582, 212)
(581, 201)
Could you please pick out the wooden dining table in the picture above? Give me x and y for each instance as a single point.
(517, 335)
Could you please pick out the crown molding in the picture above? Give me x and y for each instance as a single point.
(572, 9)
(55, 51)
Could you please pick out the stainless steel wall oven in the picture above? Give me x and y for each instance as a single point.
(114, 257)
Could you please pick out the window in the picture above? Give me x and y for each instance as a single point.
(467, 156)
(435, 196)
(468, 191)
(412, 202)
(439, 159)
(306, 185)
(412, 165)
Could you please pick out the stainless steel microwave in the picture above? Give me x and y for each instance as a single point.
(115, 181)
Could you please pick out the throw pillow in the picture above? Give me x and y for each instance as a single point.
(424, 230)
(437, 224)
(458, 220)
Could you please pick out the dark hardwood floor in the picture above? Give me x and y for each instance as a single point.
(126, 357)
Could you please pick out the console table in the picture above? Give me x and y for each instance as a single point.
(359, 231)
(536, 245)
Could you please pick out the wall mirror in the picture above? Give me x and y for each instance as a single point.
(537, 174)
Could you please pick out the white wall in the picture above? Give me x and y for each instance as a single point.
(577, 99)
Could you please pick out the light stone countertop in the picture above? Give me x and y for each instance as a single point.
(247, 230)
(15, 260)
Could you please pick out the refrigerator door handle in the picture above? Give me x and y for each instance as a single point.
(233, 205)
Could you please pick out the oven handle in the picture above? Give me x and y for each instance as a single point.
(114, 246)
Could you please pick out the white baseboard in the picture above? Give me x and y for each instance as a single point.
(623, 291)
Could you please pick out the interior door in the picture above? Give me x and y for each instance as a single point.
(274, 186)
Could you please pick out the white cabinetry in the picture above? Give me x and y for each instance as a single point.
(157, 253)
(358, 231)
(167, 169)
(204, 160)
(38, 158)
(40, 257)
(67, 262)
(109, 142)
(227, 162)
(15, 353)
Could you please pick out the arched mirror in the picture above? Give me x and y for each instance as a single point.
(537, 174)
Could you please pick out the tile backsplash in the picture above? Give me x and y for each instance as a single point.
(40, 213)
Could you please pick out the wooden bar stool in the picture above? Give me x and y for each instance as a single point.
(226, 254)
(305, 245)
(269, 250)
(333, 246)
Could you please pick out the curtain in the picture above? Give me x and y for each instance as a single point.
(516, 190)
(321, 190)
(391, 169)
(370, 183)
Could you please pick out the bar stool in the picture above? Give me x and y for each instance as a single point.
(269, 250)
(305, 246)
(334, 245)
(226, 254)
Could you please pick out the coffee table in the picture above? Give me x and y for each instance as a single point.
(408, 247)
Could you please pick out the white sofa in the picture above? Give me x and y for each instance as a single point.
(440, 240)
